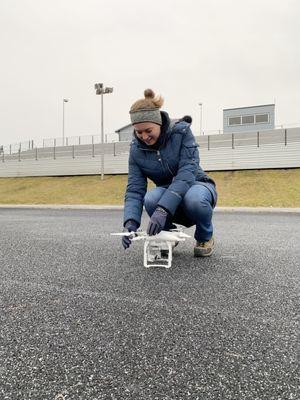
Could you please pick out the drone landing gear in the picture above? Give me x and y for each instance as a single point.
(158, 254)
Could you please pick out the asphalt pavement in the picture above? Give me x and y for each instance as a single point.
(82, 319)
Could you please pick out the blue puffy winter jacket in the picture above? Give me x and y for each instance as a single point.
(174, 165)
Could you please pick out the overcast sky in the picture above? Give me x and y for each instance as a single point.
(223, 53)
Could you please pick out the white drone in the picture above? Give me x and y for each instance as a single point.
(157, 248)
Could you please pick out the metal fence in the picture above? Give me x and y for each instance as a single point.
(52, 142)
(208, 136)
(257, 150)
(72, 151)
(209, 142)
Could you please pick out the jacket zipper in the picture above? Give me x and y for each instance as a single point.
(162, 163)
(159, 159)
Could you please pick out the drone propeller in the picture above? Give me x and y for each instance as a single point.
(172, 235)
(183, 235)
(123, 234)
(135, 235)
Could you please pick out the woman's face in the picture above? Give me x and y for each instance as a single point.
(148, 132)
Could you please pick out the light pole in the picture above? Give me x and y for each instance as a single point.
(63, 127)
(100, 89)
(200, 104)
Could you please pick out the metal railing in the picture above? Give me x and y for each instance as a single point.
(210, 142)
(96, 139)
(53, 142)
(257, 139)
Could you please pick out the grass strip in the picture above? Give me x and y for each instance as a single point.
(250, 188)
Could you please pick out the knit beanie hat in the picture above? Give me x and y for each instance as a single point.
(147, 109)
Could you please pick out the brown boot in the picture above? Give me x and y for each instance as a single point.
(204, 249)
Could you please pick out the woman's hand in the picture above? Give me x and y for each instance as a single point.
(157, 221)
(130, 226)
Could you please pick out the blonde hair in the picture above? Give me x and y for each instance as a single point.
(150, 102)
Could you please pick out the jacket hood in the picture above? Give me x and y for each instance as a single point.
(187, 118)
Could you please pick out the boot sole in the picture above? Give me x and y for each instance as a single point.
(199, 253)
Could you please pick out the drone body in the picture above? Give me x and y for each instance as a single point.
(157, 248)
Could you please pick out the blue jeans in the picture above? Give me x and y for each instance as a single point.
(196, 208)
